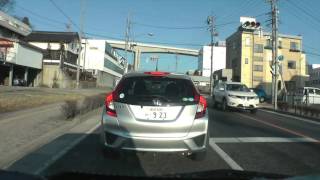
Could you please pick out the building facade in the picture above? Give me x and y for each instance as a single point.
(249, 55)
(314, 76)
(60, 56)
(219, 58)
(20, 62)
(102, 61)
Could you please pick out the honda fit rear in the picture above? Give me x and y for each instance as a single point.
(156, 112)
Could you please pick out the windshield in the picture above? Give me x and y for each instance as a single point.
(154, 88)
(237, 87)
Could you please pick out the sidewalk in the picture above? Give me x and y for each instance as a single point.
(291, 111)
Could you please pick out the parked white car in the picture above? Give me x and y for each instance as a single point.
(235, 95)
(307, 95)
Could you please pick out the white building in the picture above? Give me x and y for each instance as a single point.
(219, 59)
(18, 59)
(99, 58)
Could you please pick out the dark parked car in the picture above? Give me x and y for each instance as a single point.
(261, 94)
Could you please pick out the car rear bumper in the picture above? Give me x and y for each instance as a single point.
(188, 144)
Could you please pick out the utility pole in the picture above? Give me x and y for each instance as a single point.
(176, 68)
(127, 39)
(213, 33)
(80, 48)
(274, 21)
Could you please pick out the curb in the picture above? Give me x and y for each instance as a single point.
(292, 114)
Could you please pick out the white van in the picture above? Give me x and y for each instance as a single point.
(308, 95)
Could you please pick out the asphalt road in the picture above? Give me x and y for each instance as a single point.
(263, 142)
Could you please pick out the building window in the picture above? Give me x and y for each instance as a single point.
(258, 78)
(246, 60)
(268, 44)
(257, 58)
(247, 41)
(258, 68)
(294, 46)
(280, 44)
(258, 48)
(291, 64)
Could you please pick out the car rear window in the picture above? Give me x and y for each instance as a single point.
(144, 90)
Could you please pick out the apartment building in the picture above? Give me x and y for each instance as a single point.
(249, 55)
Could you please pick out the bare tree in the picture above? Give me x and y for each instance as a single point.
(7, 5)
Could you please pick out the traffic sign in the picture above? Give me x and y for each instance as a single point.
(280, 58)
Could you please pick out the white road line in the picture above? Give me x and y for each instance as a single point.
(65, 150)
(290, 116)
(225, 156)
(262, 140)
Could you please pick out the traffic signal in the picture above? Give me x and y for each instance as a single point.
(251, 25)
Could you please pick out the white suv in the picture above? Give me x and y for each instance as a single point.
(235, 95)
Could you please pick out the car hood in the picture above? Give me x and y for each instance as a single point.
(241, 93)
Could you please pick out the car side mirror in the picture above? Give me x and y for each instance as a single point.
(221, 89)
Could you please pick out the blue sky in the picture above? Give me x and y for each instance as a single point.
(107, 18)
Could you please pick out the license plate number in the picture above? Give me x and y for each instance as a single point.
(156, 114)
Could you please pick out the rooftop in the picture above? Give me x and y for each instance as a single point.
(51, 36)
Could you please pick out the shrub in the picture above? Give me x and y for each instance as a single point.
(69, 109)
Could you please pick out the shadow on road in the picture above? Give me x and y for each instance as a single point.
(87, 156)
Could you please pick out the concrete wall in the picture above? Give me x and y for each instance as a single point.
(106, 80)
(53, 76)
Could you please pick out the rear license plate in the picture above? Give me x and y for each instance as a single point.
(155, 113)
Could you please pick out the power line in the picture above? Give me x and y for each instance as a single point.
(304, 11)
(64, 14)
(39, 16)
(304, 21)
(169, 27)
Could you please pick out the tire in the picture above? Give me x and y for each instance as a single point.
(224, 106)
(253, 111)
(201, 155)
(261, 99)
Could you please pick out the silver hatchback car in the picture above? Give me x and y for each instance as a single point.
(156, 112)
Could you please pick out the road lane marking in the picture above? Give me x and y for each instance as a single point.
(261, 140)
(278, 127)
(225, 156)
(290, 116)
(54, 158)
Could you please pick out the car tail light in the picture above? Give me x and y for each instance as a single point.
(157, 73)
(202, 107)
(109, 103)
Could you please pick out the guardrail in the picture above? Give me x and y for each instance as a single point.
(307, 105)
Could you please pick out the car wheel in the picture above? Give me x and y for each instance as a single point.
(261, 99)
(224, 105)
(253, 111)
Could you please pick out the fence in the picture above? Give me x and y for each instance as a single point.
(308, 105)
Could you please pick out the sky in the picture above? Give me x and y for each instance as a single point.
(179, 23)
